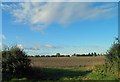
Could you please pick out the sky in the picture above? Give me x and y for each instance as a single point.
(59, 27)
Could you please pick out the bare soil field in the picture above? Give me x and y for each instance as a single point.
(66, 62)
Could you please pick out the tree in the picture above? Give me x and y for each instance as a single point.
(37, 55)
(89, 54)
(92, 54)
(58, 54)
(113, 55)
(14, 62)
(74, 54)
(95, 54)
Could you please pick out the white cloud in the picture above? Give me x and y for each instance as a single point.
(20, 46)
(34, 47)
(8, 7)
(37, 46)
(45, 46)
(39, 15)
(49, 46)
(2, 36)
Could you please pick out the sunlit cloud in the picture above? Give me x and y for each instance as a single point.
(39, 15)
(37, 47)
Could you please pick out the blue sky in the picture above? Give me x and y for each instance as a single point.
(67, 28)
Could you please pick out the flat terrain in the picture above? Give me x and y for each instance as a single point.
(66, 62)
(68, 69)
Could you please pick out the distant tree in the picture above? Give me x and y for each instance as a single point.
(83, 55)
(74, 54)
(89, 54)
(58, 54)
(67, 55)
(98, 54)
(37, 55)
(77, 55)
(42, 55)
(94, 54)
(31, 56)
(53, 55)
(47, 55)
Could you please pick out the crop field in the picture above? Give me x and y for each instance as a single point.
(66, 62)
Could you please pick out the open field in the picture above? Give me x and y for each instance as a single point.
(67, 69)
(70, 68)
(68, 62)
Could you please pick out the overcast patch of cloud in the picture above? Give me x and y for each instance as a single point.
(39, 15)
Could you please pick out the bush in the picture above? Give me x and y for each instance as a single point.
(14, 62)
(113, 55)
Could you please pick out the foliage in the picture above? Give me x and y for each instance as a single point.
(111, 69)
(101, 73)
(69, 74)
(113, 56)
(58, 54)
(37, 55)
(14, 62)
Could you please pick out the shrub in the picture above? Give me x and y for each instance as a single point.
(113, 56)
(14, 62)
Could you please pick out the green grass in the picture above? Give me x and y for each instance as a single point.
(54, 74)
(64, 74)
(101, 73)
(68, 74)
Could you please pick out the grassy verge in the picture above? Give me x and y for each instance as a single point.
(69, 74)
(55, 74)
(101, 73)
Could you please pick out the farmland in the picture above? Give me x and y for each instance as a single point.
(67, 68)
(71, 68)
(66, 62)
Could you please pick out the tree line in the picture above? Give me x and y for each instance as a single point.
(74, 55)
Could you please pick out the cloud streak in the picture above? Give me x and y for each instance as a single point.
(39, 15)
(37, 47)
(33, 47)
